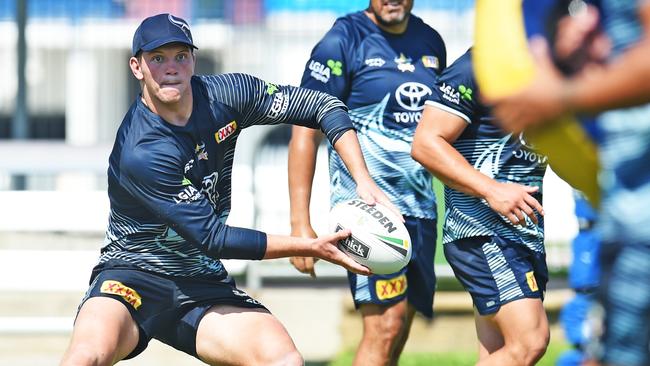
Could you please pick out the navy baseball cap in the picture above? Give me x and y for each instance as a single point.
(159, 30)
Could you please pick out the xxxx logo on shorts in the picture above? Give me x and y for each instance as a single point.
(117, 288)
(532, 283)
(388, 289)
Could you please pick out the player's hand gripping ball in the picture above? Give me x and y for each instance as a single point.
(379, 239)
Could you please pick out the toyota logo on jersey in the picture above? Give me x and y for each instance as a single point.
(411, 96)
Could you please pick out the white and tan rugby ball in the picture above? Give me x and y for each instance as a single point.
(379, 239)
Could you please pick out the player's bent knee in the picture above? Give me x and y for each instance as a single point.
(289, 358)
(535, 348)
(528, 349)
(293, 358)
(85, 354)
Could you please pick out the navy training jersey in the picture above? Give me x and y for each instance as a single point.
(169, 186)
(495, 153)
(384, 80)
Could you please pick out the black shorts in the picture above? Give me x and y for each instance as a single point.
(168, 309)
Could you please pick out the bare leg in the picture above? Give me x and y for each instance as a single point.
(384, 330)
(404, 335)
(524, 327)
(103, 334)
(229, 335)
(489, 335)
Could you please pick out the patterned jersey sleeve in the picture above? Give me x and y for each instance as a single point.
(263, 103)
(456, 91)
(328, 68)
(153, 173)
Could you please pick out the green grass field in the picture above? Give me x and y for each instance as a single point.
(451, 358)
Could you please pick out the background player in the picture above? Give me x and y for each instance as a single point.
(493, 238)
(381, 62)
(624, 149)
(169, 183)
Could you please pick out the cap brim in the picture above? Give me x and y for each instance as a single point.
(161, 42)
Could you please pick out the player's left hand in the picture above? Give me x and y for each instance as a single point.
(370, 193)
(541, 101)
(325, 247)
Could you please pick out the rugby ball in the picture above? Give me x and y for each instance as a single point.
(379, 239)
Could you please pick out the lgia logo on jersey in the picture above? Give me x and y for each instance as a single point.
(319, 71)
(188, 193)
(279, 105)
(449, 93)
(225, 131)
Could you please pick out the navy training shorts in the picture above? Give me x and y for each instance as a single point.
(166, 308)
(496, 271)
(416, 281)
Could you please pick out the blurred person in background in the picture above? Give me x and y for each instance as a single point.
(381, 62)
(493, 233)
(620, 90)
(169, 181)
(584, 279)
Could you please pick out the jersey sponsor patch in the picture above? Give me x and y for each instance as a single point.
(388, 289)
(336, 67)
(465, 92)
(225, 131)
(404, 63)
(449, 93)
(279, 105)
(532, 283)
(200, 152)
(412, 95)
(117, 288)
(431, 62)
(238, 292)
(188, 194)
(209, 189)
(319, 71)
(375, 62)
(189, 165)
(271, 88)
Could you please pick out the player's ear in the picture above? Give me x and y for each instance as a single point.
(136, 68)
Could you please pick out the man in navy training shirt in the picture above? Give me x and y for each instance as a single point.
(382, 62)
(169, 181)
(494, 232)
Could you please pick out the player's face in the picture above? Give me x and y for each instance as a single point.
(166, 72)
(391, 12)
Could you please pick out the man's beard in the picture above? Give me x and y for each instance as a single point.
(392, 21)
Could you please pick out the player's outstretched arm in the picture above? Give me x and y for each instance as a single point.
(303, 149)
(432, 148)
(350, 152)
(323, 247)
(621, 83)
